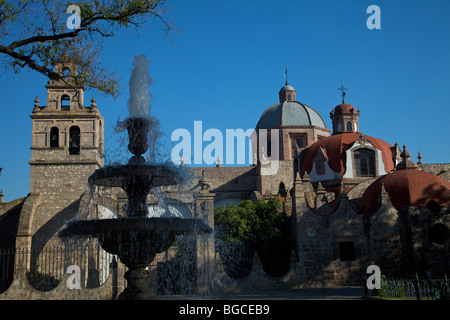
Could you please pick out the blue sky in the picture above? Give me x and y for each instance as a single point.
(226, 66)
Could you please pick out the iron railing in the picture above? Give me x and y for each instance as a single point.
(47, 266)
(412, 289)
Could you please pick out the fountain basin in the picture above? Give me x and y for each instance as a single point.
(136, 240)
(95, 228)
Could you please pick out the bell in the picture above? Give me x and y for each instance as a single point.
(73, 145)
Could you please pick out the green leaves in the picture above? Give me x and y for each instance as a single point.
(262, 226)
(250, 222)
(34, 35)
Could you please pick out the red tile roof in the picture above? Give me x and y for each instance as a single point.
(407, 188)
(344, 107)
(335, 147)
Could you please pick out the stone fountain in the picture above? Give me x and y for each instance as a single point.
(136, 238)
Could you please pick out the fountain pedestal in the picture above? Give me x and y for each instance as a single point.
(138, 288)
(204, 209)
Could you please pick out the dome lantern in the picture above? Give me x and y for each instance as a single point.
(345, 117)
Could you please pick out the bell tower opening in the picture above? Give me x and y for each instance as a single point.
(65, 102)
(54, 137)
(74, 140)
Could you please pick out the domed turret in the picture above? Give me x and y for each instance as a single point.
(287, 93)
(345, 117)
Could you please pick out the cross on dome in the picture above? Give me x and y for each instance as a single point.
(343, 93)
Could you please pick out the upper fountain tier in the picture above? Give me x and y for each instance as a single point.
(122, 175)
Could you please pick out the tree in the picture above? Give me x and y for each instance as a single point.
(34, 35)
(274, 237)
(235, 237)
(262, 226)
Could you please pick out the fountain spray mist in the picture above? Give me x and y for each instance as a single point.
(139, 104)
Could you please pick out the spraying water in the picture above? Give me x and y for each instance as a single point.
(139, 104)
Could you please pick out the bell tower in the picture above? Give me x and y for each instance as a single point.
(67, 138)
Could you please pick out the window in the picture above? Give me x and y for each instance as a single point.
(74, 140)
(438, 233)
(347, 251)
(349, 126)
(296, 143)
(320, 167)
(54, 137)
(65, 103)
(269, 148)
(364, 163)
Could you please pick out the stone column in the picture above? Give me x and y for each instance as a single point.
(24, 233)
(300, 209)
(205, 250)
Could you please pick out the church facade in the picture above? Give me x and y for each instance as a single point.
(354, 200)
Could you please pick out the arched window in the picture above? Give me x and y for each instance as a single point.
(65, 103)
(74, 140)
(364, 162)
(54, 137)
(349, 126)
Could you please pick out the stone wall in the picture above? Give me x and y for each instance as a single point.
(440, 169)
(270, 183)
(383, 237)
(60, 188)
(321, 240)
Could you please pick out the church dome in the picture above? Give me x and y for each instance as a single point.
(289, 113)
(409, 187)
